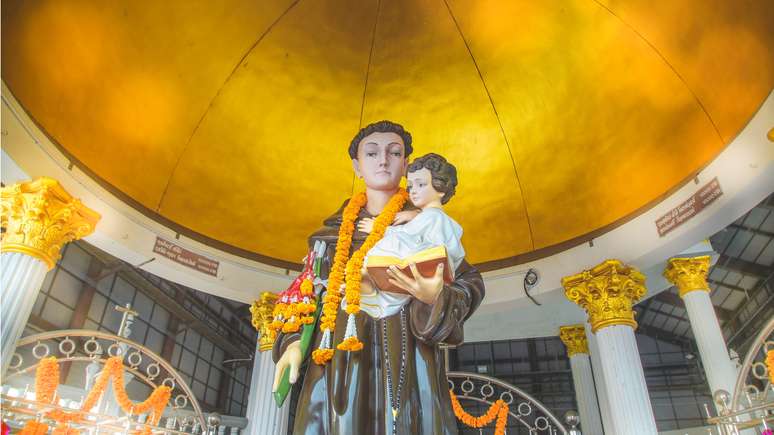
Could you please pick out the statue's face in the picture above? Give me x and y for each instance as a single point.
(381, 161)
(421, 191)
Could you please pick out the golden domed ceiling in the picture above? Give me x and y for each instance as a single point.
(229, 120)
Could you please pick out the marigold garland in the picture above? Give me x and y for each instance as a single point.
(770, 365)
(332, 297)
(33, 427)
(345, 273)
(498, 410)
(47, 380)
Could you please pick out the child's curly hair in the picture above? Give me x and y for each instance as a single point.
(444, 174)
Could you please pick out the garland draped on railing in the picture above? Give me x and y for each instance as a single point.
(47, 381)
(499, 409)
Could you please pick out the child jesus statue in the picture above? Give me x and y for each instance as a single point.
(431, 182)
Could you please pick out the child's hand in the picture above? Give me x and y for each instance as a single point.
(402, 217)
(366, 225)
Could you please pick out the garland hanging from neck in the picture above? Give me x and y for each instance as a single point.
(345, 276)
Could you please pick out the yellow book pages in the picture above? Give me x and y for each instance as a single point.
(427, 261)
(433, 253)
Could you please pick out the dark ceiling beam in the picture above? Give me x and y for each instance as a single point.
(744, 267)
(188, 294)
(177, 309)
(739, 330)
(145, 280)
(41, 324)
(744, 336)
(752, 230)
(514, 359)
(669, 298)
(243, 312)
(648, 306)
(174, 306)
(663, 335)
(655, 332)
(728, 286)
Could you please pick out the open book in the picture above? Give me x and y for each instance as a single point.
(426, 260)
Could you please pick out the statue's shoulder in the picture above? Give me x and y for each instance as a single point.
(334, 220)
(329, 232)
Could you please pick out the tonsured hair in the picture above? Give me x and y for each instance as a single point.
(381, 127)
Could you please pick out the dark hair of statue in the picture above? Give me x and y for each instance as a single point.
(443, 173)
(381, 127)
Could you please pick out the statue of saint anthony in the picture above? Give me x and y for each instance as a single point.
(397, 382)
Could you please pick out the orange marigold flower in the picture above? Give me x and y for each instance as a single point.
(322, 356)
(350, 344)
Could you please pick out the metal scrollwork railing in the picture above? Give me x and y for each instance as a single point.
(93, 348)
(752, 403)
(532, 415)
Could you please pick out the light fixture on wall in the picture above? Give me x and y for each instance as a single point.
(531, 279)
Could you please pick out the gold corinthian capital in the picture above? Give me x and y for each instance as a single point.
(607, 293)
(574, 337)
(688, 274)
(39, 217)
(262, 317)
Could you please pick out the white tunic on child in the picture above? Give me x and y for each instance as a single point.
(430, 228)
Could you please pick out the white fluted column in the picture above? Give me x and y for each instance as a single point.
(599, 382)
(574, 338)
(39, 217)
(21, 277)
(263, 415)
(607, 293)
(690, 277)
(632, 412)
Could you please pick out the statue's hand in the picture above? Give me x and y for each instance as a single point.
(290, 360)
(424, 289)
(404, 216)
(365, 225)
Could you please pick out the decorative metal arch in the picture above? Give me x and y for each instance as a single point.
(144, 364)
(754, 382)
(527, 410)
(750, 406)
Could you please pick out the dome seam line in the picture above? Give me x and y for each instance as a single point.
(671, 67)
(368, 70)
(499, 122)
(215, 97)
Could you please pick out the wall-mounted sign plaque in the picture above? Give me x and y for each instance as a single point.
(185, 257)
(689, 208)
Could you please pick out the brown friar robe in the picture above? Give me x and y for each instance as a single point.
(348, 395)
